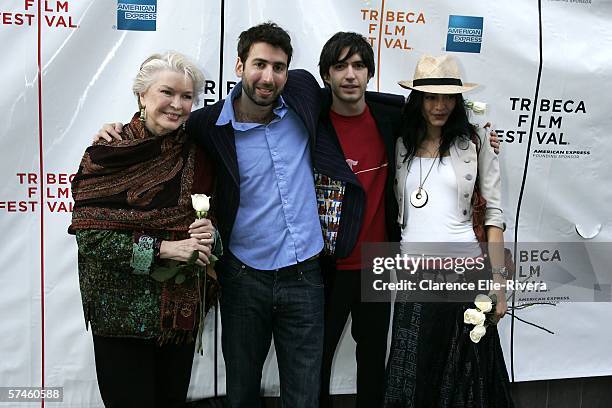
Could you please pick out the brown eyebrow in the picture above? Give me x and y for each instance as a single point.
(257, 60)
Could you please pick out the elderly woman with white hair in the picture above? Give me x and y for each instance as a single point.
(140, 270)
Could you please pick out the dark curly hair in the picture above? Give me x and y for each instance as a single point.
(268, 33)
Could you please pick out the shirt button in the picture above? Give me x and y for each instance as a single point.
(396, 182)
(466, 195)
(464, 212)
(468, 177)
(467, 160)
(399, 166)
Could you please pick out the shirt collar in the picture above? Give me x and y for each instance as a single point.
(228, 115)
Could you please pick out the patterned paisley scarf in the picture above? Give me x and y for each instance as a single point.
(140, 183)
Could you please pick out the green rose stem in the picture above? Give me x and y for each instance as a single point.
(201, 204)
(201, 296)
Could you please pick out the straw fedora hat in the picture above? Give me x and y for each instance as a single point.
(438, 75)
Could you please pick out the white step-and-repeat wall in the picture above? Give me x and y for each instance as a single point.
(546, 73)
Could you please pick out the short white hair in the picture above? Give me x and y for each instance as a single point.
(168, 61)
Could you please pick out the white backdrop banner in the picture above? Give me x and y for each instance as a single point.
(68, 66)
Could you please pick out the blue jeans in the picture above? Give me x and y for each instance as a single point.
(255, 305)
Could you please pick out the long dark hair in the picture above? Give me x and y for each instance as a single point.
(414, 128)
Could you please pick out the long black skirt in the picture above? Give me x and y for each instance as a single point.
(433, 363)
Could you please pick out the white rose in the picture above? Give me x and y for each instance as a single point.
(479, 108)
(483, 303)
(200, 203)
(473, 316)
(477, 332)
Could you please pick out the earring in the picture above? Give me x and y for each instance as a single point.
(143, 114)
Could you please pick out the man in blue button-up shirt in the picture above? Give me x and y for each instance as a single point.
(265, 206)
(277, 222)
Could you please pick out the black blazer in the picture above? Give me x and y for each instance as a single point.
(329, 160)
(301, 93)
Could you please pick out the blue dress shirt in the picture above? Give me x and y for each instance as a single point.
(277, 223)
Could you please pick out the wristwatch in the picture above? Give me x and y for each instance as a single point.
(500, 270)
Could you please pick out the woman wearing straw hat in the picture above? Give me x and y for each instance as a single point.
(436, 358)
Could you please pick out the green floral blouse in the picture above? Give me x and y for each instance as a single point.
(118, 299)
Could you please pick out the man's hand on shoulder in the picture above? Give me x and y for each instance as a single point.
(493, 139)
(109, 132)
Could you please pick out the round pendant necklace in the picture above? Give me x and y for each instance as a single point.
(419, 196)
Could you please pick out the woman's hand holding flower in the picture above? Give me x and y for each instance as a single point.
(183, 250)
(203, 230)
(501, 305)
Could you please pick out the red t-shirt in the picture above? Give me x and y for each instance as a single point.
(364, 151)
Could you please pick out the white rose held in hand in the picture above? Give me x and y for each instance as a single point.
(200, 203)
(483, 303)
(473, 316)
(477, 332)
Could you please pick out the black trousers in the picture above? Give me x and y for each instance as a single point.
(135, 373)
(370, 326)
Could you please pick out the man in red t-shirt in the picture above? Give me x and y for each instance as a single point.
(365, 134)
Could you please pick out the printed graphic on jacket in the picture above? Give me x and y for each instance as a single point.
(329, 202)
